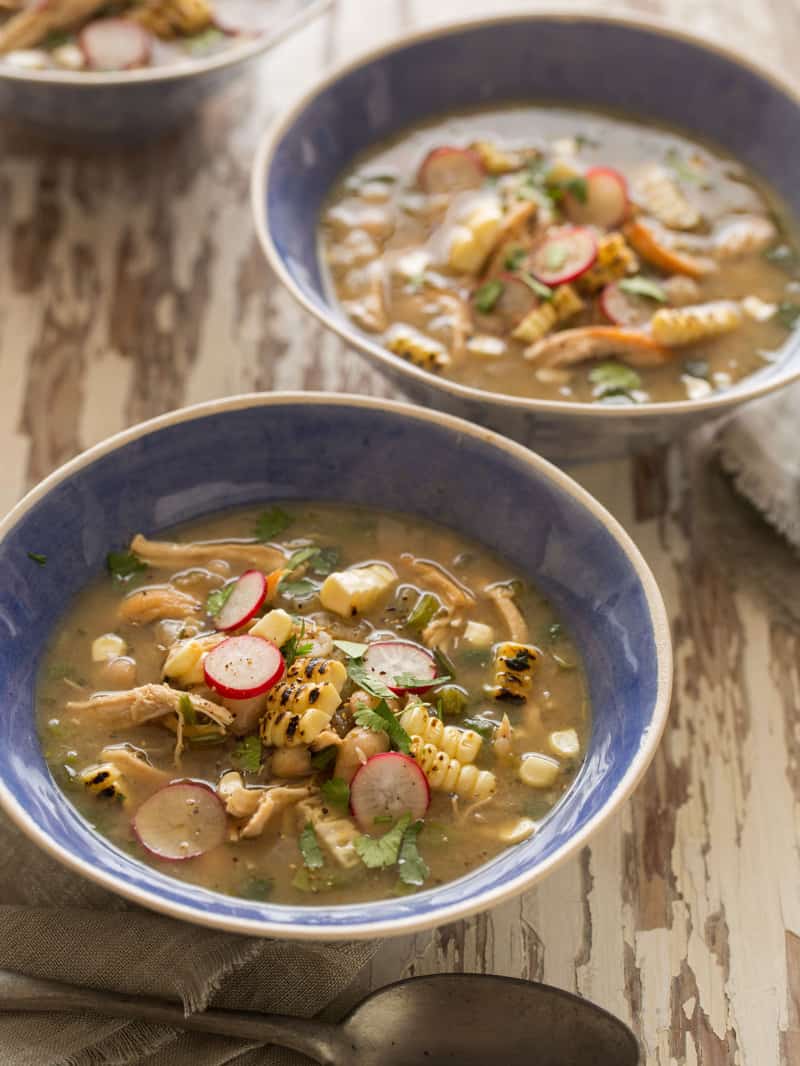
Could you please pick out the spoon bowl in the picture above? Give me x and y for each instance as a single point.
(471, 1019)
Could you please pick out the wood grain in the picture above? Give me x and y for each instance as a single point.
(132, 283)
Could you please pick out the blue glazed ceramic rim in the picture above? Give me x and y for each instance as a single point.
(760, 384)
(408, 914)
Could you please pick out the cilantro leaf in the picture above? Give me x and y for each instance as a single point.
(641, 286)
(270, 523)
(412, 867)
(37, 557)
(351, 648)
(313, 881)
(293, 649)
(325, 561)
(124, 565)
(381, 720)
(310, 849)
(487, 296)
(247, 754)
(611, 379)
(336, 792)
(321, 760)
(256, 888)
(515, 258)
(379, 852)
(579, 188)
(217, 599)
(365, 679)
(302, 555)
(409, 681)
(297, 589)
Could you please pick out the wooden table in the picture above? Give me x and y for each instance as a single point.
(133, 283)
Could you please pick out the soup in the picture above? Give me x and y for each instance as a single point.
(312, 704)
(568, 255)
(94, 35)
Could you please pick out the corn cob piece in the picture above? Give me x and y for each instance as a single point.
(446, 774)
(542, 319)
(417, 348)
(675, 326)
(461, 744)
(103, 780)
(615, 259)
(513, 666)
(661, 197)
(300, 707)
(172, 18)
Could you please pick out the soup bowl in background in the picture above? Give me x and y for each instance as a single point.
(133, 105)
(578, 61)
(348, 449)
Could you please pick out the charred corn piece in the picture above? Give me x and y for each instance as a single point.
(675, 326)
(317, 671)
(171, 18)
(461, 744)
(447, 774)
(496, 160)
(103, 780)
(417, 348)
(542, 319)
(300, 707)
(292, 729)
(661, 197)
(513, 671)
(615, 259)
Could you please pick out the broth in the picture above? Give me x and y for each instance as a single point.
(136, 658)
(563, 254)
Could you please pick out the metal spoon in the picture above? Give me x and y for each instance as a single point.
(472, 1019)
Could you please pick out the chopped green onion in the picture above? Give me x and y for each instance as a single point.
(487, 296)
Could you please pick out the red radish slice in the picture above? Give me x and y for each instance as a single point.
(388, 659)
(606, 199)
(181, 821)
(388, 785)
(513, 303)
(116, 44)
(564, 255)
(447, 170)
(625, 308)
(244, 666)
(244, 602)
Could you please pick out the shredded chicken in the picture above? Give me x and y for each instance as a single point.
(503, 599)
(156, 603)
(35, 22)
(257, 805)
(451, 591)
(124, 710)
(168, 555)
(438, 630)
(597, 342)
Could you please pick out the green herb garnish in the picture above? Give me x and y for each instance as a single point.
(382, 819)
(381, 720)
(186, 710)
(256, 888)
(409, 681)
(487, 296)
(202, 42)
(217, 599)
(270, 523)
(614, 379)
(423, 611)
(515, 259)
(336, 792)
(364, 678)
(325, 561)
(124, 565)
(544, 292)
(351, 648)
(293, 649)
(297, 589)
(579, 188)
(451, 700)
(310, 849)
(247, 754)
(787, 314)
(306, 881)
(321, 760)
(37, 557)
(302, 555)
(411, 866)
(379, 852)
(484, 727)
(641, 286)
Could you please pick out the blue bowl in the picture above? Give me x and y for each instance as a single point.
(578, 60)
(312, 446)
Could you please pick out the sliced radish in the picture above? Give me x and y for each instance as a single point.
(564, 255)
(388, 785)
(116, 44)
(626, 308)
(447, 170)
(244, 602)
(511, 306)
(243, 667)
(606, 199)
(387, 660)
(181, 821)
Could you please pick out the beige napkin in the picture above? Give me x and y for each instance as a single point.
(54, 924)
(760, 448)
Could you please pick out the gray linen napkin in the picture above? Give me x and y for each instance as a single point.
(54, 924)
(760, 448)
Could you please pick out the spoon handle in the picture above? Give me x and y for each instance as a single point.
(322, 1042)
